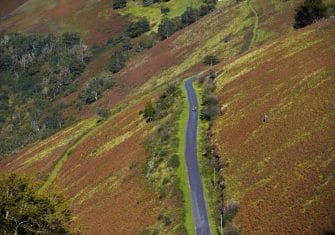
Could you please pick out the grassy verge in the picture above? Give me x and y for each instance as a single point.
(182, 170)
(255, 28)
(211, 193)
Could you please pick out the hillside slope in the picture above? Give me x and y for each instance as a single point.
(99, 166)
(281, 172)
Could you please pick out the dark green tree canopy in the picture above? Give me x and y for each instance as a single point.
(167, 27)
(25, 211)
(309, 12)
(211, 60)
(117, 4)
(137, 28)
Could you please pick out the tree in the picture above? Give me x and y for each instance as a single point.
(309, 12)
(167, 27)
(149, 112)
(189, 16)
(118, 61)
(211, 60)
(103, 113)
(70, 39)
(23, 210)
(206, 8)
(135, 29)
(165, 10)
(117, 4)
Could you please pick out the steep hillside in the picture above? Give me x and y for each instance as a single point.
(280, 171)
(100, 166)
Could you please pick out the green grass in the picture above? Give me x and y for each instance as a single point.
(255, 28)
(153, 12)
(206, 172)
(60, 162)
(182, 170)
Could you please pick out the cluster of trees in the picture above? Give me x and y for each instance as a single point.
(162, 105)
(94, 89)
(35, 71)
(168, 26)
(25, 211)
(161, 151)
(210, 104)
(311, 11)
(132, 38)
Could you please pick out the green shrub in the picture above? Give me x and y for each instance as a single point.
(167, 27)
(118, 61)
(211, 60)
(103, 113)
(117, 4)
(24, 211)
(149, 112)
(174, 161)
(137, 28)
(309, 12)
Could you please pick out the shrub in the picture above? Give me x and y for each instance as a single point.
(70, 39)
(24, 211)
(309, 12)
(167, 27)
(117, 4)
(94, 89)
(211, 60)
(189, 16)
(174, 161)
(118, 61)
(165, 10)
(206, 8)
(103, 113)
(149, 112)
(137, 28)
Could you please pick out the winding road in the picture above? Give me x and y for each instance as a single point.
(197, 194)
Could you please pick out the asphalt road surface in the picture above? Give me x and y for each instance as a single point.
(198, 200)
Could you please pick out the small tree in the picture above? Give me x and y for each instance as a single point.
(149, 112)
(25, 211)
(211, 60)
(118, 61)
(137, 28)
(309, 12)
(103, 113)
(117, 4)
(167, 27)
(165, 10)
(189, 16)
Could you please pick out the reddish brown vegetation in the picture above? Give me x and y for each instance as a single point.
(281, 171)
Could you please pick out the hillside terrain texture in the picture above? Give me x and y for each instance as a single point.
(167, 117)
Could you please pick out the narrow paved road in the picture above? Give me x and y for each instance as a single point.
(197, 193)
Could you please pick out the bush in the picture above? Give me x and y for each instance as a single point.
(103, 113)
(211, 60)
(94, 89)
(309, 12)
(118, 61)
(24, 211)
(206, 8)
(167, 27)
(149, 112)
(137, 28)
(189, 16)
(174, 161)
(117, 4)
(165, 10)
